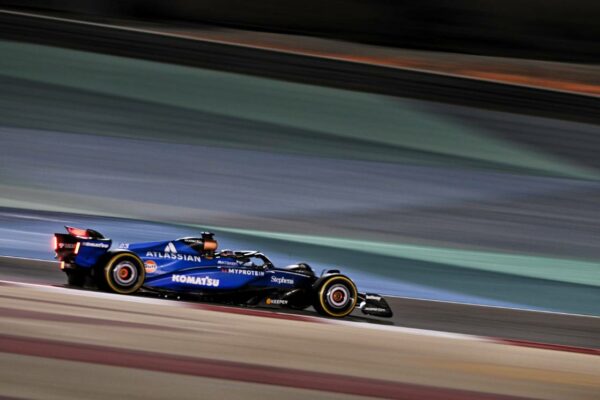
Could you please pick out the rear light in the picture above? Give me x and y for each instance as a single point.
(54, 243)
(77, 245)
(62, 265)
(77, 232)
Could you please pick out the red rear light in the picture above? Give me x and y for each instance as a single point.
(77, 245)
(77, 232)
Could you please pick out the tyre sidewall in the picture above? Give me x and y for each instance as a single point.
(113, 262)
(322, 304)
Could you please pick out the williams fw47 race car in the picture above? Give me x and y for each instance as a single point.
(193, 267)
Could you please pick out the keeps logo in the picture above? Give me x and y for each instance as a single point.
(270, 301)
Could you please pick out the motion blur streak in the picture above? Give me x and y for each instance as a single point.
(234, 151)
(420, 185)
(398, 364)
(230, 370)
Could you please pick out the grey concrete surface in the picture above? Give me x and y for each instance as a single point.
(214, 348)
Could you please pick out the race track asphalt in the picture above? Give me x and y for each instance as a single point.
(552, 328)
(73, 344)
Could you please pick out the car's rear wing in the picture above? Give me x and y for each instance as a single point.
(80, 246)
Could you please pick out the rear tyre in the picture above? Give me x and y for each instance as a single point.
(335, 296)
(75, 278)
(124, 273)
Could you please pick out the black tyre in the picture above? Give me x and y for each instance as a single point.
(75, 278)
(335, 296)
(124, 273)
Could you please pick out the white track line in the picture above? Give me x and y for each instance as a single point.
(412, 331)
(28, 259)
(293, 52)
(496, 307)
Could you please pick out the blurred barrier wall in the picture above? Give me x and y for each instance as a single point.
(554, 29)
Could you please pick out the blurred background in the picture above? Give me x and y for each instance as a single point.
(436, 150)
(550, 29)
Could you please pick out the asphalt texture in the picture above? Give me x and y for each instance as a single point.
(134, 347)
(553, 328)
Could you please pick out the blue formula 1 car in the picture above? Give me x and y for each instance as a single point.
(193, 267)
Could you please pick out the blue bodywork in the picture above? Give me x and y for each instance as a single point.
(186, 270)
(193, 266)
(176, 266)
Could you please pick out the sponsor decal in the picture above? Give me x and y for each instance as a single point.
(196, 280)
(170, 248)
(239, 271)
(150, 266)
(276, 301)
(373, 297)
(180, 257)
(193, 241)
(124, 246)
(66, 245)
(196, 244)
(282, 281)
(374, 309)
(230, 263)
(95, 244)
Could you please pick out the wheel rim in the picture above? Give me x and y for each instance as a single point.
(125, 273)
(338, 296)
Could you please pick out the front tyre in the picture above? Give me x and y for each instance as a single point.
(336, 296)
(124, 273)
